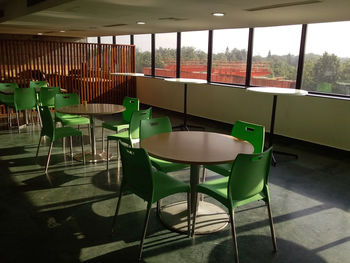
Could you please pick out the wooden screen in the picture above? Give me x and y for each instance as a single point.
(81, 68)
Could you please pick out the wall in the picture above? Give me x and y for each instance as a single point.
(319, 120)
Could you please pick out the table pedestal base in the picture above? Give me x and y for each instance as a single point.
(210, 218)
(91, 158)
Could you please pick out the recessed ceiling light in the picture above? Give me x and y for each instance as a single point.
(140, 22)
(62, 31)
(40, 34)
(218, 14)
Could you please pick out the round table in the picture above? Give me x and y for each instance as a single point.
(277, 91)
(184, 126)
(195, 148)
(128, 74)
(92, 110)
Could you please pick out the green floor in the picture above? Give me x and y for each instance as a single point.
(66, 216)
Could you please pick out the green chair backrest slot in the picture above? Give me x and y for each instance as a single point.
(137, 171)
(131, 105)
(154, 126)
(253, 133)
(24, 98)
(249, 175)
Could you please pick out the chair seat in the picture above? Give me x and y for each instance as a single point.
(218, 190)
(68, 119)
(222, 169)
(165, 166)
(165, 185)
(115, 125)
(66, 132)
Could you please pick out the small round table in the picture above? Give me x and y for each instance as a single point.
(277, 91)
(186, 81)
(92, 110)
(128, 74)
(195, 148)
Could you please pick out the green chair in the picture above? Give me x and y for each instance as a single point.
(38, 84)
(8, 99)
(68, 99)
(24, 99)
(253, 133)
(248, 182)
(48, 129)
(47, 96)
(156, 126)
(140, 179)
(132, 135)
(131, 105)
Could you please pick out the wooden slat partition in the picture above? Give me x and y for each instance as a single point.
(81, 68)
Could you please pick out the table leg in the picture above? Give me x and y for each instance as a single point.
(210, 218)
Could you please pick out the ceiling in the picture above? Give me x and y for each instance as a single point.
(81, 18)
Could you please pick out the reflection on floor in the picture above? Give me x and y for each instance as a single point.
(66, 216)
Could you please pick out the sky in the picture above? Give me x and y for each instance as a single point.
(280, 40)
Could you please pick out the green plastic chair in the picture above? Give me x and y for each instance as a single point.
(47, 96)
(132, 135)
(24, 99)
(48, 129)
(7, 99)
(131, 105)
(37, 84)
(62, 100)
(156, 126)
(253, 133)
(248, 182)
(140, 179)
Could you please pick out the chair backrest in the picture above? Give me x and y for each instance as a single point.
(131, 105)
(134, 127)
(24, 98)
(7, 98)
(250, 132)
(47, 96)
(37, 84)
(11, 85)
(249, 175)
(67, 99)
(137, 171)
(48, 127)
(154, 126)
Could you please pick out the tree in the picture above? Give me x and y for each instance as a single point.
(327, 69)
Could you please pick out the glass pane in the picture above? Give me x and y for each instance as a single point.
(123, 40)
(230, 55)
(194, 54)
(275, 56)
(327, 58)
(143, 53)
(92, 40)
(165, 55)
(107, 40)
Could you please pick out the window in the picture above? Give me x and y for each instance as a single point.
(327, 58)
(229, 60)
(275, 56)
(143, 53)
(92, 40)
(165, 55)
(194, 54)
(107, 40)
(123, 40)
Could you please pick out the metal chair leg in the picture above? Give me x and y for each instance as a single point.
(204, 174)
(118, 159)
(234, 237)
(39, 117)
(274, 243)
(48, 157)
(37, 150)
(103, 142)
(144, 229)
(89, 132)
(71, 146)
(117, 208)
(194, 215)
(82, 148)
(17, 115)
(189, 214)
(107, 156)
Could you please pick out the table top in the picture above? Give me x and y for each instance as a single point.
(184, 80)
(128, 74)
(279, 91)
(196, 147)
(11, 91)
(92, 109)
